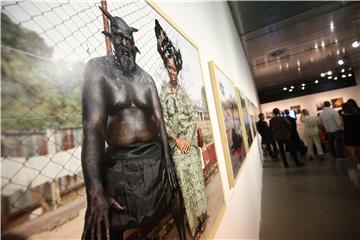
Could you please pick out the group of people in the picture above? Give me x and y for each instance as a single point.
(152, 164)
(341, 128)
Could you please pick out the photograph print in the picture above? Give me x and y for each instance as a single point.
(246, 118)
(337, 102)
(229, 121)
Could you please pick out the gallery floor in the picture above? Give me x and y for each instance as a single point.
(313, 202)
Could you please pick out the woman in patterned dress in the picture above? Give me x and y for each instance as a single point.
(179, 117)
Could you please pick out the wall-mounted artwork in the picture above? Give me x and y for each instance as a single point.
(246, 118)
(296, 108)
(337, 102)
(252, 117)
(269, 115)
(319, 104)
(186, 115)
(229, 121)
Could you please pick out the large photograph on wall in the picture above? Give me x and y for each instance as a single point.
(246, 118)
(44, 105)
(229, 121)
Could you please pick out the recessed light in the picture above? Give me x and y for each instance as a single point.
(303, 85)
(322, 74)
(329, 77)
(292, 87)
(341, 62)
(329, 73)
(349, 75)
(335, 78)
(356, 44)
(302, 88)
(342, 70)
(343, 76)
(316, 81)
(290, 90)
(285, 88)
(332, 26)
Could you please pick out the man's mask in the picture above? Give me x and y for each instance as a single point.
(121, 36)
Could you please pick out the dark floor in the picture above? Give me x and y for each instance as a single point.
(311, 202)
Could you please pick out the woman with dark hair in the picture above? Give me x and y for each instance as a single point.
(179, 117)
(351, 120)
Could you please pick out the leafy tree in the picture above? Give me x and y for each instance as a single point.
(37, 93)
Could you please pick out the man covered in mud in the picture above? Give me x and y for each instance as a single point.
(132, 182)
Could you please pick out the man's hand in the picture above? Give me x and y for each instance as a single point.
(97, 225)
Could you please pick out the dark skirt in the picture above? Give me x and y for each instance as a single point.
(134, 177)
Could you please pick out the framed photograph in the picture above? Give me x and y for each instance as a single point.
(296, 108)
(269, 115)
(228, 113)
(337, 102)
(252, 117)
(190, 95)
(246, 119)
(319, 104)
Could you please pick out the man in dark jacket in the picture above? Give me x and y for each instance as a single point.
(296, 141)
(281, 129)
(266, 136)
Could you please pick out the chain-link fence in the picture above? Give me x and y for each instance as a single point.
(44, 49)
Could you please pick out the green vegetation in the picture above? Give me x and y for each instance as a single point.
(37, 93)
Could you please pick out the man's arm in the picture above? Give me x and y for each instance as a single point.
(158, 115)
(94, 124)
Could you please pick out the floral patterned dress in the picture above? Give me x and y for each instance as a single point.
(179, 117)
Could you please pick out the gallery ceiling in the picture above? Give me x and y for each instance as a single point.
(292, 43)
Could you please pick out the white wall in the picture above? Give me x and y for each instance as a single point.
(309, 101)
(210, 26)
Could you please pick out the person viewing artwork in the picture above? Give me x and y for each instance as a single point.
(351, 120)
(281, 130)
(330, 119)
(312, 134)
(179, 117)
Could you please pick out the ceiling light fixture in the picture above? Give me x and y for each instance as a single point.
(343, 76)
(341, 62)
(316, 81)
(329, 77)
(302, 88)
(349, 75)
(335, 78)
(290, 90)
(342, 70)
(292, 87)
(356, 44)
(332, 26)
(316, 46)
(329, 73)
(322, 44)
(285, 88)
(303, 85)
(322, 74)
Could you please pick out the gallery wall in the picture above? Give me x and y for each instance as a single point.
(211, 27)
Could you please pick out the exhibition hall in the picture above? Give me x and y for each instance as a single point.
(180, 120)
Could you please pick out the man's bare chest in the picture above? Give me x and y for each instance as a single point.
(127, 92)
